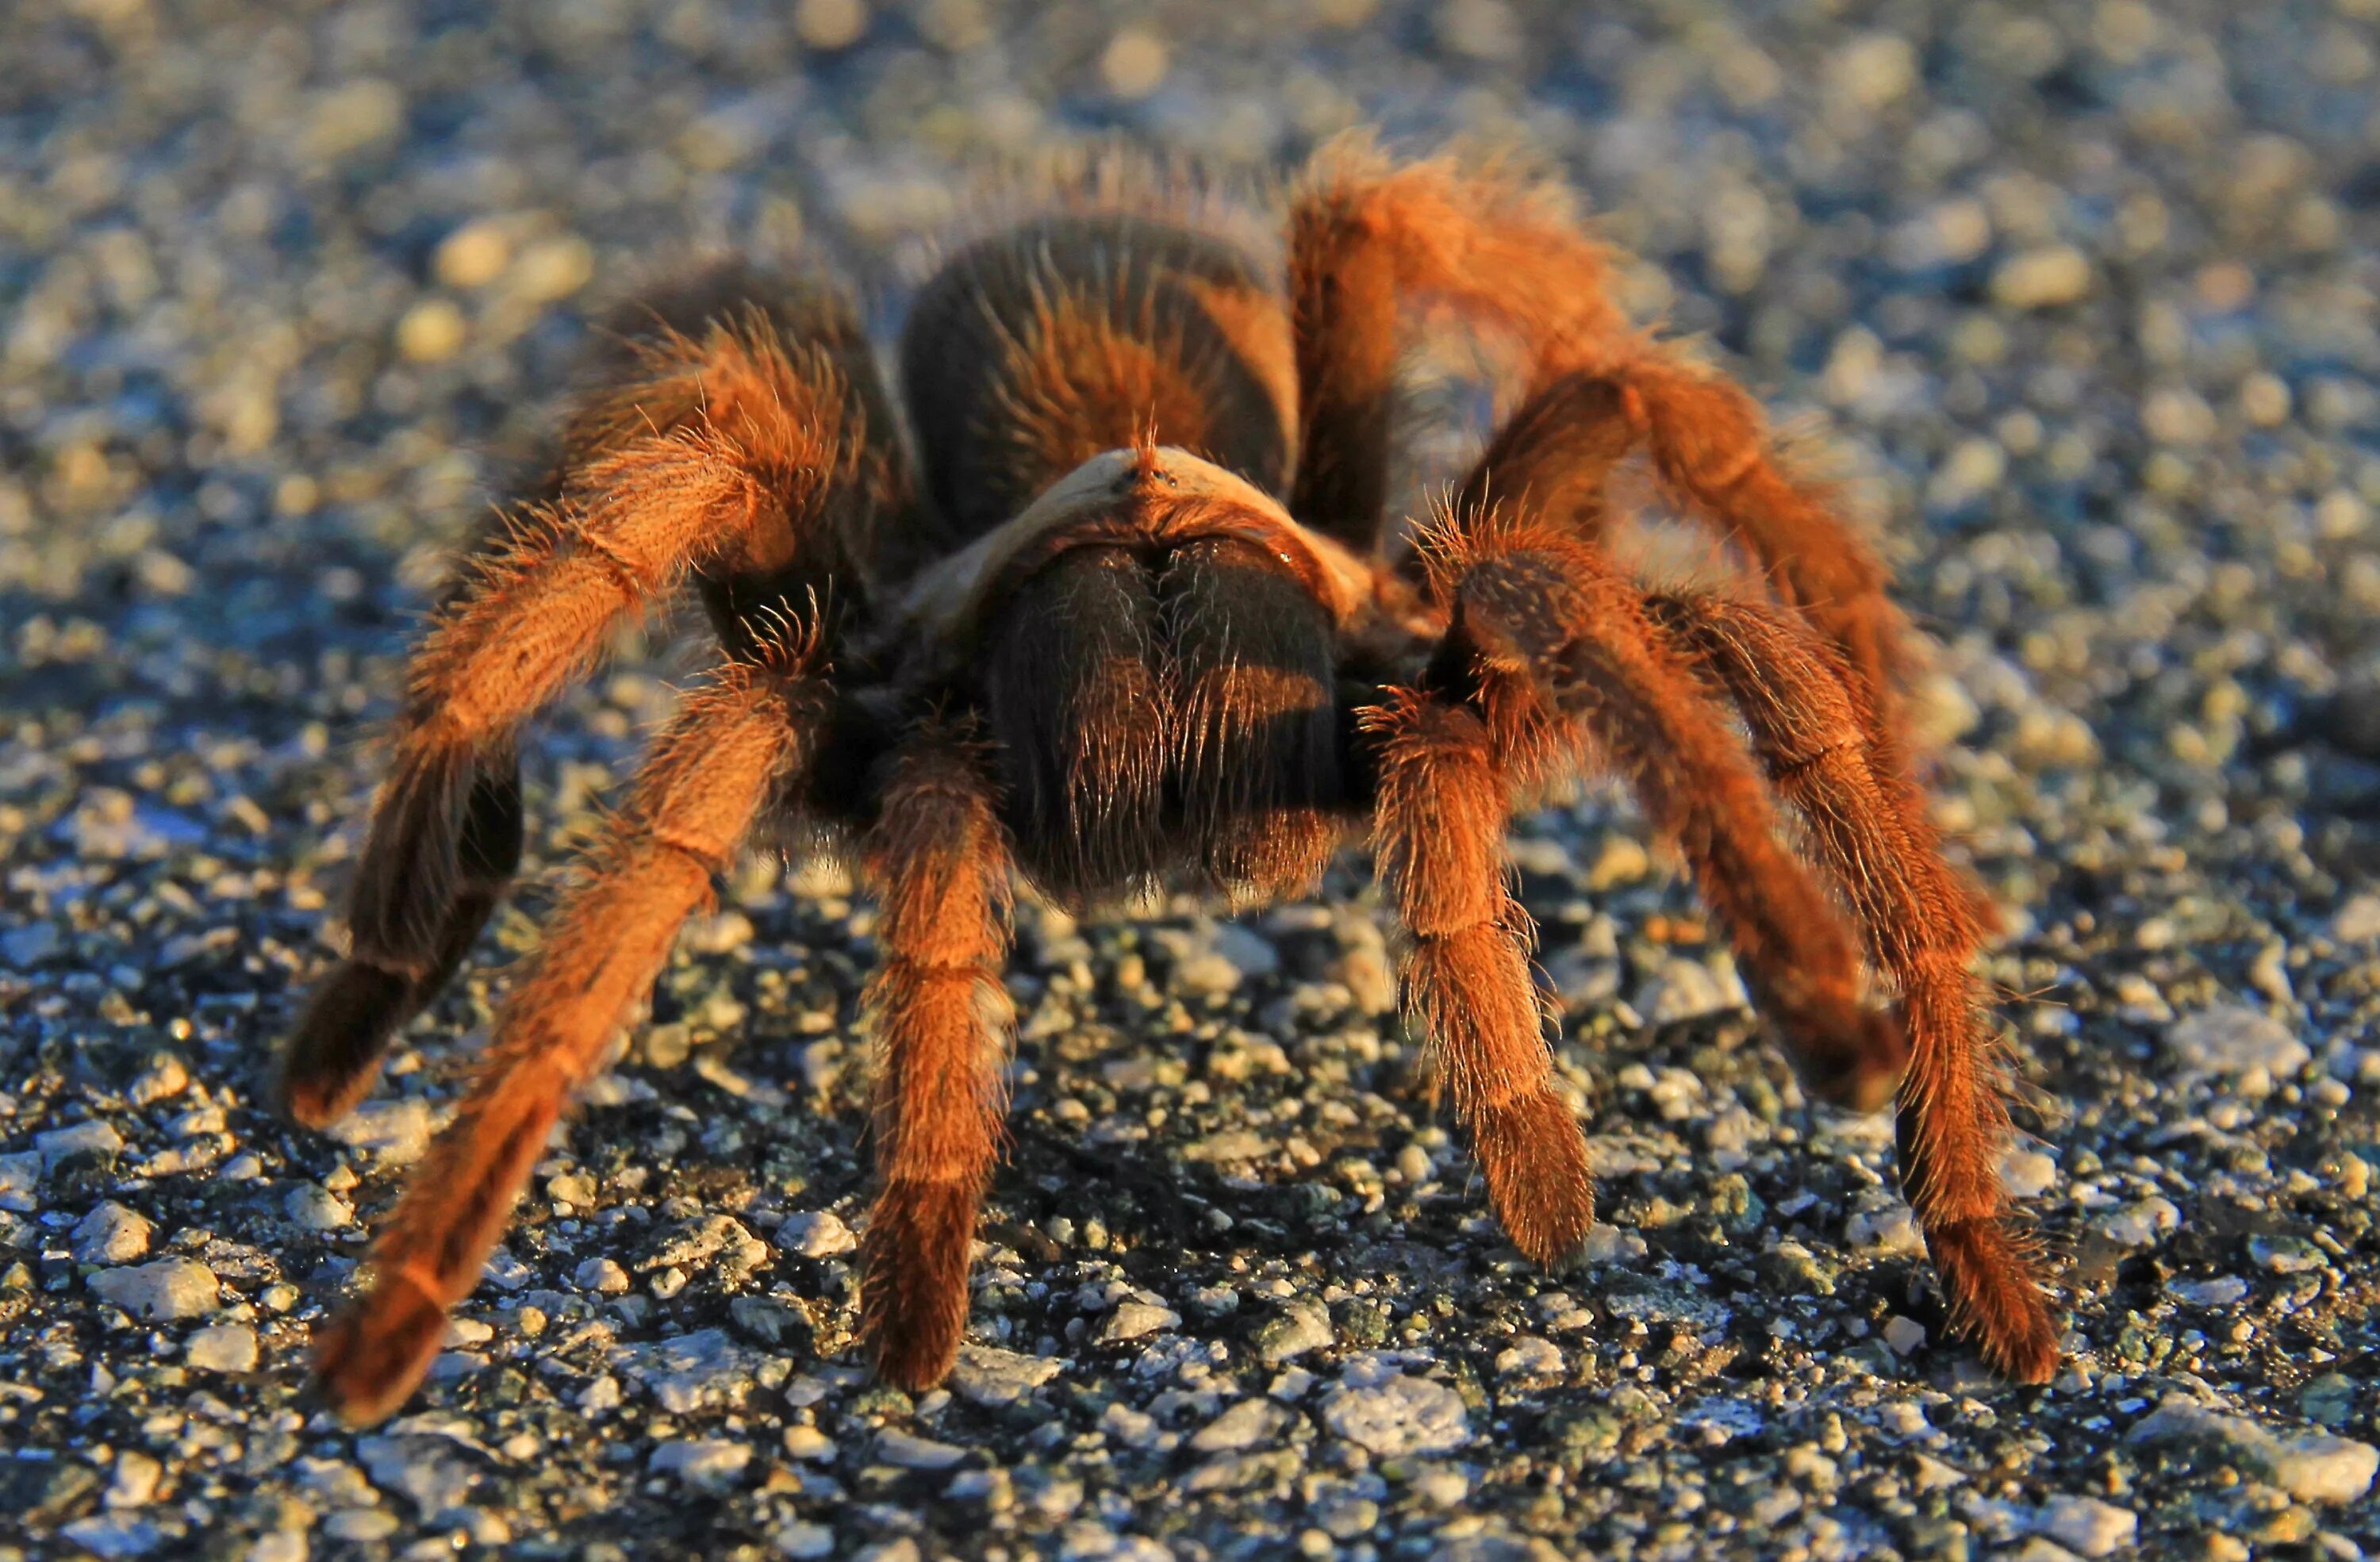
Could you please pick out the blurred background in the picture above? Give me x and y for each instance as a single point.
(2084, 293)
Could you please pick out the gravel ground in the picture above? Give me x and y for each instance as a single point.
(2085, 293)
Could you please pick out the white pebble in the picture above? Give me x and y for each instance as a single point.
(602, 1276)
(2041, 279)
(1243, 1425)
(1137, 1320)
(111, 1234)
(1904, 1335)
(2028, 1174)
(137, 1475)
(1134, 64)
(361, 1525)
(396, 1132)
(2358, 921)
(2310, 1466)
(2141, 1223)
(169, 1289)
(2232, 1038)
(92, 1138)
(1397, 1414)
(1529, 1356)
(815, 1233)
(913, 1452)
(1892, 1229)
(2087, 1526)
(316, 1208)
(222, 1348)
(803, 1540)
(710, 1463)
(992, 1377)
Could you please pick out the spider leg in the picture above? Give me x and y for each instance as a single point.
(1871, 831)
(1566, 656)
(711, 773)
(1439, 834)
(1538, 603)
(939, 859)
(1710, 447)
(1369, 241)
(741, 485)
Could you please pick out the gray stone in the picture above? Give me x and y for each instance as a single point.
(111, 1234)
(222, 1348)
(315, 1208)
(692, 1371)
(114, 1534)
(2231, 1038)
(1137, 1320)
(92, 1140)
(422, 1468)
(1302, 1326)
(2087, 1526)
(913, 1452)
(710, 1463)
(1390, 1413)
(159, 1292)
(2310, 1466)
(1240, 1427)
(992, 1377)
(815, 1233)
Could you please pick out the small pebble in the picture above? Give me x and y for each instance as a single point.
(603, 1276)
(1397, 1414)
(816, 1233)
(2041, 279)
(229, 1347)
(1135, 1320)
(2232, 1039)
(1301, 1328)
(316, 1208)
(1244, 1426)
(710, 1463)
(2087, 1526)
(111, 1234)
(162, 1291)
(912, 1452)
(92, 1140)
(992, 1377)
(2140, 1224)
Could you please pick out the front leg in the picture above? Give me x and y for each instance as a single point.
(1439, 840)
(938, 858)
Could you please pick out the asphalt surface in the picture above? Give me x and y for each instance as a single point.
(2083, 298)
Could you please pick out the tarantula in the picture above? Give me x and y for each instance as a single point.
(1132, 616)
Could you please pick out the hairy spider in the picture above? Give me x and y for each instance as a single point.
(1133, 617)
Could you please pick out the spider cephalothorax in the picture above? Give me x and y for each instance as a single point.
(1133, 618)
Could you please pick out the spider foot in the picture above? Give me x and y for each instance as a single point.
(1995, 1299)
(914, 1290)
(1534, 1156)
(368, 1362)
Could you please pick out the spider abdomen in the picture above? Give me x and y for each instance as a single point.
(1030, 352)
